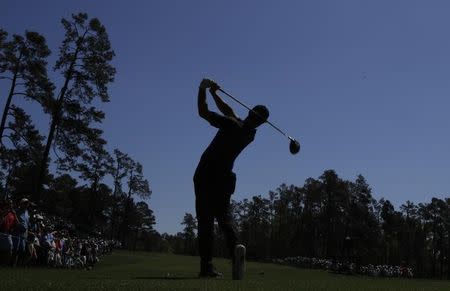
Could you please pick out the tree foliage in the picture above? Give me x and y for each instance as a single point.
(315, 219)
(23, 61)
(73, 102)
(85, 66)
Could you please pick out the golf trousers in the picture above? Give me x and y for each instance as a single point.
(213, 203)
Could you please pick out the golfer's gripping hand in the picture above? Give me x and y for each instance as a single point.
(207, 83)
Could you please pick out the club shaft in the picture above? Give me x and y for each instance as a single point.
(231, 96)
(270, 123)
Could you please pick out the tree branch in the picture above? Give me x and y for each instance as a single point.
(21, 93)
(54, 151)
(20, 76)
(76, 29)
(22, 137)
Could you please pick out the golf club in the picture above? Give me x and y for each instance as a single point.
(294, 145)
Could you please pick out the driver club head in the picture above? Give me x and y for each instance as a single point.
(294, 146)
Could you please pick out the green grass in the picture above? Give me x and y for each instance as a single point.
(152, 271)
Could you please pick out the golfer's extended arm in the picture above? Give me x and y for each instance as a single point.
(203, 110)
(223, 107)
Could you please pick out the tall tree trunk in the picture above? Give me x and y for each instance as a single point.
(433, 261)
(114, 209)
(8, 101)
(135, 240)
(328, 239)
(56, 119)
(44, 160)
(126, 214)
(448, 262)
(8, 178)
(94, 188)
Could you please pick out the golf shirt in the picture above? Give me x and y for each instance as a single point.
(231, 139)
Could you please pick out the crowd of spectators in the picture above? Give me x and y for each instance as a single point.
(387, 271)
(30, 238)
(347, 267)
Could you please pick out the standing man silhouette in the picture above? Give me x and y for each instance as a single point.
(214, 180)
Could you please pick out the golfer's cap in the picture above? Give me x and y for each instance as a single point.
(261, 111)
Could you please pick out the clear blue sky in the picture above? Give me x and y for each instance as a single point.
(364, 85)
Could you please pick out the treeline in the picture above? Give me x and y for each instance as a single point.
(71, 142)
(315, 219)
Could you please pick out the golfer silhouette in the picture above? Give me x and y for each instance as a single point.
(214, 180)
